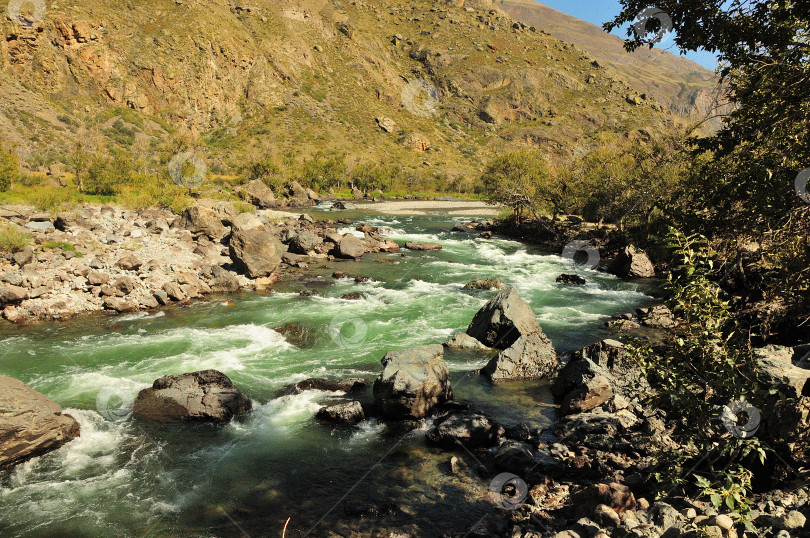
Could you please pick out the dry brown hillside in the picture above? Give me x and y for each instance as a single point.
(237, 81)
(687, 88)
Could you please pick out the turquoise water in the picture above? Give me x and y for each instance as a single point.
(125, 478)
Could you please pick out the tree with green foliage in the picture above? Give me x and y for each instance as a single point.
(369, 177)
(323, 172)
(106, 174)
(79, 161)
(9, 169)
(513, 180)
(265, 170)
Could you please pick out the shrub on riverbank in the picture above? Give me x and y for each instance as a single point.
(13, 238)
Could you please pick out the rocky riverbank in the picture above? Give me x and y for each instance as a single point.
(105, 258)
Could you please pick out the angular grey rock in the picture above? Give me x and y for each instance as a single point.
(119, 304)
(305, 242)
(530, 357)
(12, 294)
(129, 262)
(256, 252)
(246, 221)
(344, 413)
(30, 423)
(207, 395)
(40, 226)
(423, 246)
(504, 319)
(485, 284)
(514, 457)
(412, 383)
(470, 428)
(592, 393)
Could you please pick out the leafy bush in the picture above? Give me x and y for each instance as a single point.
(13, 238)
(324, 172)
(706, 365)
(372, 176)
(106, 174)
(48, 197)
(267, 171)
(9, 169)
(146, 191)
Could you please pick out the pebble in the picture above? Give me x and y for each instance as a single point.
(724, 522)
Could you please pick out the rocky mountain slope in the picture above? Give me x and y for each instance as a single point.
(685, 87)
(433, 85)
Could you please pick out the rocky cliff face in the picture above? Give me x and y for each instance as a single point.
(439, 83)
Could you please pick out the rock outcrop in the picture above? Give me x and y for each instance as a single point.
(207, 395)
(412, 383)
(30, 423)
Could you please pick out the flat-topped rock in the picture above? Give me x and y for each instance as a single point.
(423, 246)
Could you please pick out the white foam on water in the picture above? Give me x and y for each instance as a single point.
(351, 230)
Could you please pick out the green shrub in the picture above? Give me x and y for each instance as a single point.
(9, 169)
(145, 191)
(106, 174)
(13, 238)
(48, 197)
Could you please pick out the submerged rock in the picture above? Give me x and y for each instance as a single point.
(485, 284)
(412, 383)
(575, 280)
(30, 423)
(531, 356)
(348, 385)
(470, 428)
(423, 246)
(208, 395)
(343, 413)
(503, 320)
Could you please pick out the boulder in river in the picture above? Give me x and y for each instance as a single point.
(632, 263)
(348, 385)
(470, 428)
(485, 284)
(343, 413)
(30, 423)
(257, 252)
(574, 280)
(412, 383)
(504, 319)
(531, 356)
(423, 246)
(466, 342)
(208, 395)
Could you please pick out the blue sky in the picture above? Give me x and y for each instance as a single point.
(601, 11)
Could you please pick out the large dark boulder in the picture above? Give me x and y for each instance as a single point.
(531, 356)
(348, 385)
(504, 319)
(207, 395)
(632, 263)
(412, 383)
(256, 252)
(305, 242)
(30, 423)
(469, 428)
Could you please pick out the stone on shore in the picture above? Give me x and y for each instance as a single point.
(201, 220)
(30, 423)
(256, 252)
(412, 383)
(256, 192)
(503, 320)
(632, 263)
(207, 395)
